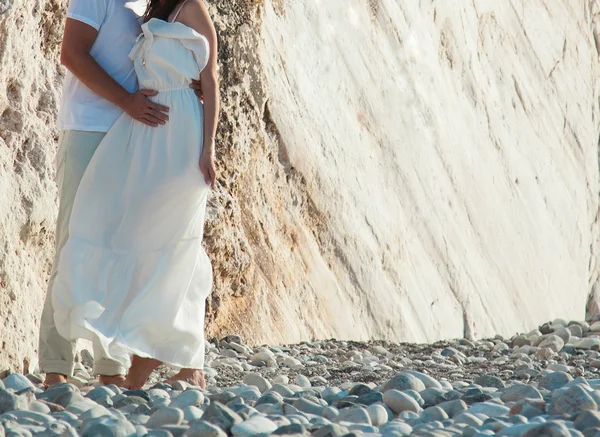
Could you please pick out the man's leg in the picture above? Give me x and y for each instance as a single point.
(75, 151)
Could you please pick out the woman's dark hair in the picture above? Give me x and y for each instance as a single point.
(160, 9)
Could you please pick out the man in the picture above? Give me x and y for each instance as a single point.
(99, 86)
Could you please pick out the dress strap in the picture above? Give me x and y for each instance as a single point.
(178, 11)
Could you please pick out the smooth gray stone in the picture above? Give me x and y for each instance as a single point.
(66, 416)
(138, 419)
(587, 419)
(370, 398)
(550, 429)
(62, 394)
(60, 429)
(489, 381)
(292, 429)
(516, 430)
(159, 433)
(307, 406)
(283, 390)
(205, 429)
(138, 393)
(433, 396)
(378, 414)
(518, 392)
(94, 413)
(354, 415)
(17, 382)
(255, 425)
(102, 395)
(17, 431)
(273, 398)
(333, 430)
(107, 427)
(416, 396)
(223, 397)
(398, 401)
(24, 417)
(175, 430)
(187, 399)
(554, 380)
(359, 390)
(427, 380)
(433, 414)
(452, 408)
(489, 409)
(191, 413)
(353, 427)
(165, 416)
(130, 401)
(221, 416)
(144, 409)
(10, 401)
(258, 381)
(248, 394)
(572, 401)
(404, 381)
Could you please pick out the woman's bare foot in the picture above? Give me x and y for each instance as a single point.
(193, 377)
(54, 378)
(117, 380)
(139, 372)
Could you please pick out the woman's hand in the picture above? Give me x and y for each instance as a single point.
(207, 166)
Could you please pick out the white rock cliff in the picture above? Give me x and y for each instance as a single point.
(408, 171)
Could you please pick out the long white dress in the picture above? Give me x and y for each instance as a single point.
(133, 276)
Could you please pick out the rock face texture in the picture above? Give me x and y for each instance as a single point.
(400, 171)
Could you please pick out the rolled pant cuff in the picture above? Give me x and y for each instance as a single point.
(57, 366)
(109, 369)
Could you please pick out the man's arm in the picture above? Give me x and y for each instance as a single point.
(75, 55)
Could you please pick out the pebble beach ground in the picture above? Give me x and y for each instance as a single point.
(543, 383)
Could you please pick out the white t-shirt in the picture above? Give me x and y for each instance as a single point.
(118, 25)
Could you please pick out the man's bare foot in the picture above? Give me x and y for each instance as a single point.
(54, 378)
(139, 372)
(117, 380)
(193, 377)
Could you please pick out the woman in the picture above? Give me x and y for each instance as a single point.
(133, 276)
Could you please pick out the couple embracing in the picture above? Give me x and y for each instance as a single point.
(134, 167)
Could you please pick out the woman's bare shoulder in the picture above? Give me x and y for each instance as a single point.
(195, 11)
(194, 14)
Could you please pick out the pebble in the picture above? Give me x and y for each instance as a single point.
(489, 409)
(188, 398)
(354, 415)
(489, 381)
(573, 400)
(165, 416)
(61, 394)
(255, 425)
(520, 391)
(221, 416)
(10, 402)
(17, 382)
(398, 401)
(590, 343)
(204, 429)
(536, 384)
(404, 381)
(378, 415)
(258, 381)
(554, 380)
(433, 414)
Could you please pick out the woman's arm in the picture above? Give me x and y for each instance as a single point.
(195, 15)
